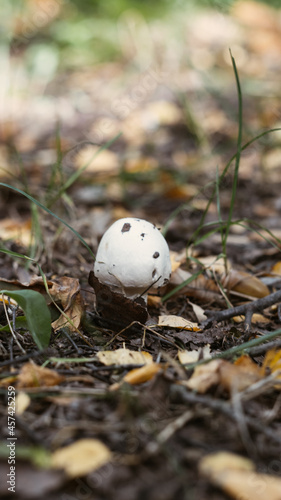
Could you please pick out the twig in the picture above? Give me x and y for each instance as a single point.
(261, 349)
(10, 326)
(245, 309)
(223, 407)
(21, 359)
(242, 424)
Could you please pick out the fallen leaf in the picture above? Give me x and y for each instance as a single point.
(240, 375)
(256, 318)
(188, 356)
(123, 357)
(66, 291)
(81, 457)
(174, 321)
(193, 356)
(154, 301)
(198, 311)
(245, 284)
(118, 310)
(22, 402)
(204, 377)
(230, 376)
(32, 375)
(143, 374)
(272, 363)
(237, 477)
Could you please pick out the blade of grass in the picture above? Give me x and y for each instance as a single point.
(238, 349)
(73, 178)
(39, 204)
(238, 155)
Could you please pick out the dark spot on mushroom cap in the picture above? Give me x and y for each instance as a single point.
(142, 235)
(156, 255)
(153, 273)
(126, 227)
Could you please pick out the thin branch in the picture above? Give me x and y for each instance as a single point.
(10, 326)
(223, 407)
(245, 309)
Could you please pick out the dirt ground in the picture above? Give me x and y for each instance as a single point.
(172, 95)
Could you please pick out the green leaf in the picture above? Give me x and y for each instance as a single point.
(37, 314)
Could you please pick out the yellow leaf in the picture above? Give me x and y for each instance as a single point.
(81, 457)
(124, 357)
(174, 321)
(256, 318)
(143, 374)
(154, 301)
(236, 476)
(272, 362)
(22, 402)
(277, 268)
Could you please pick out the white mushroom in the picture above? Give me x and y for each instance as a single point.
(132, 257)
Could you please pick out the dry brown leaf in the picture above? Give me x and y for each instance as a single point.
(66, 290)
(5, 382)
(174, 321)
(32, 375)
(230, 376)
(123, 357)
(236, 476)
(204, 376)
(240, 375)
(81, 457)
(201, 287)
(245, 284)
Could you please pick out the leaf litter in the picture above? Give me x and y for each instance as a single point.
(138, 408)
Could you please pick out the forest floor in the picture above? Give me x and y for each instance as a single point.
(116, 411)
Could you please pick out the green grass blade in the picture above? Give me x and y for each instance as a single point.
(73, 178)
(238, 154)
(39, 204)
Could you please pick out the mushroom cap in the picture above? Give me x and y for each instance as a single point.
(133, 256)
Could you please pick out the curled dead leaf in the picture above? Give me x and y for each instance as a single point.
(66, 291)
